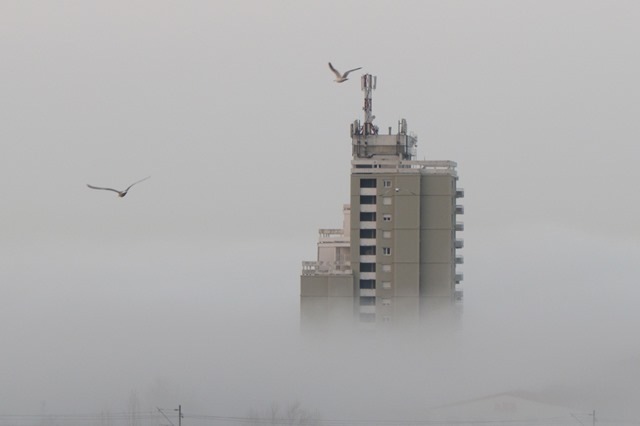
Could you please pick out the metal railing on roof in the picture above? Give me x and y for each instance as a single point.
(405, 166)
(326, 268)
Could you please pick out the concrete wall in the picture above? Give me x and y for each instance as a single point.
(398, 312)
(326, 286)
(437, 212)
(433, 184)
(406, 279)
(326, 313)
(326, 302)
(436, 280)
(423, 231)
(422, 226)
(437, 235)
(436, 245)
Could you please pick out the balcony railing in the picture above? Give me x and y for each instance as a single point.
(333, 236)
(367, 241)
(326, 268)
(330, 232)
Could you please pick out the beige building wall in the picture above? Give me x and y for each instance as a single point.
(437, 236)
(326, 301)
(327, 286)
(405, 228)
(415, 239)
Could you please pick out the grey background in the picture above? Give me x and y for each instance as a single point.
(187, 290)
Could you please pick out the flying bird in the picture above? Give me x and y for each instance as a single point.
(341, 77)
(120, 193)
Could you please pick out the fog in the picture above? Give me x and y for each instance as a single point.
(186, 291)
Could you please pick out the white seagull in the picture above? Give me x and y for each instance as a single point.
(120, 193)
(341, 77)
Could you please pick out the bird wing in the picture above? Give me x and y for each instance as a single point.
(129, 187)
(335, 71)
(347, 73)
(107, 189)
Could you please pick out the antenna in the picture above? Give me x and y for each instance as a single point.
(368, 83)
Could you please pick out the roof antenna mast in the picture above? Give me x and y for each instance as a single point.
(368, 83)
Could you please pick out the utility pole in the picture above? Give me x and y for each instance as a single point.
(179, 410)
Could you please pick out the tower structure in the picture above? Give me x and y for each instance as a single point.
(402, 235)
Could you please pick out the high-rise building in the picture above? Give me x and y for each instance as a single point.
(394, 260)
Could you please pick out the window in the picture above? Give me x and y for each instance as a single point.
(386, 285)
(386, 234)
(368, 199)
(386, 218)
(387, 201)
(386, 268)
(367, 301)
(385, 250)
(386, 183)
(367, 216)
(367, 284)
(367, 250)
(367, 183)
(367, 267)
(367, 233)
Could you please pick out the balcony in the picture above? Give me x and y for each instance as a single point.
(459, 260)
(331, 233)
(332, 236)
(367, 241)
(368, 309)
(459, 277)
(370, 258)
(459, 226)
(368, 225)
(459, 243)
(459, 209)
(367, 292)
(460, 193)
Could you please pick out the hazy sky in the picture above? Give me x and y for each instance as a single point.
(187, 290)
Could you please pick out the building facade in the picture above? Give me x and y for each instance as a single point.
(396, 258)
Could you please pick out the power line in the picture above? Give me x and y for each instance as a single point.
(145, 415)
